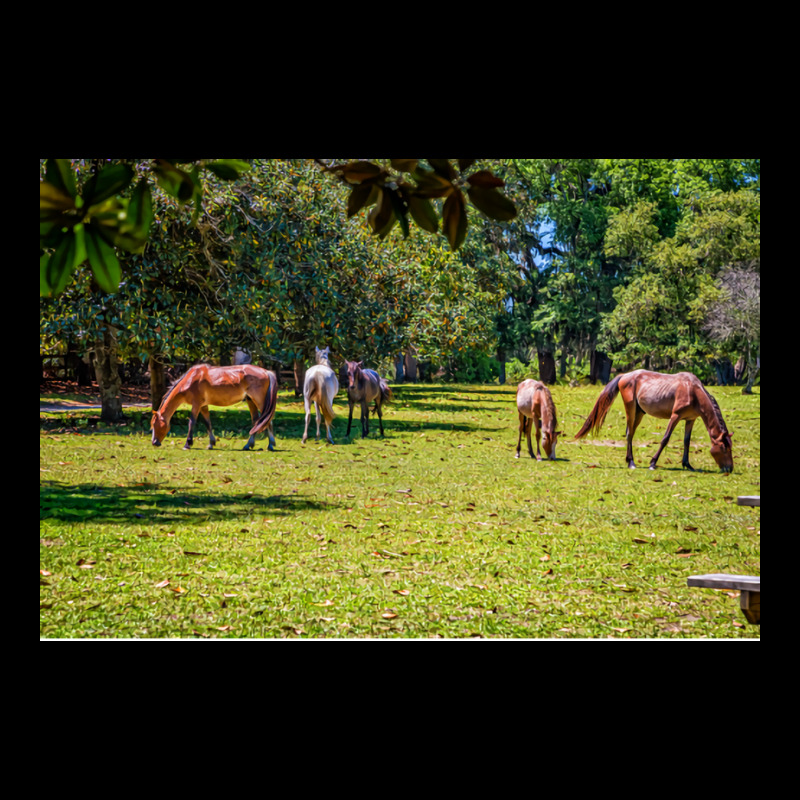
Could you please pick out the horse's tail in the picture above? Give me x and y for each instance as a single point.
(270, 404)
(596, 419)
(320, 396)
(386, 392)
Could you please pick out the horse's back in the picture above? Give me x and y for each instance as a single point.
(526, 395)
(320, 375)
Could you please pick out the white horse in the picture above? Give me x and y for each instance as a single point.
(320, 387)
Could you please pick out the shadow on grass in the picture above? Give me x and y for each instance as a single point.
(149, 504)
(233, 425)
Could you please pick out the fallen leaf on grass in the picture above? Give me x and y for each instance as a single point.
(178, 589)
(327, 602)
(388, 615)
(44, 572)
(163, 583)
(403, 592)
(641, 541)
(225, 628)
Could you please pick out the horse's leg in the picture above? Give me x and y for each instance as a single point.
(521, 431)
(192, 423)
(316, 408)
(308, 414)
(350, 418)
(254, 412)
(687, 435)
(380, 415)
(206, 417)
(528, 430)
(673, 421)
(633, 416)
(364, 418)
(538, 423)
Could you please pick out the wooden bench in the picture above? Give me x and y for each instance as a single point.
(749, 586)
(749, 500)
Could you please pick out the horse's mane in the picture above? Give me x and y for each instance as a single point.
(174, 385)
(548, 410)
(717, 412)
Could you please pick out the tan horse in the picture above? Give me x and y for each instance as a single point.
(674, 397)
(536, 407)
(203, 386)
(364, 386)
(320, 387)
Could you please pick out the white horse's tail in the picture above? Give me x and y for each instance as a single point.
(319, 395)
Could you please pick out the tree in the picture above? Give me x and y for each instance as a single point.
(735, 317)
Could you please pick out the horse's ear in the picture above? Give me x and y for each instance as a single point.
(360, 363)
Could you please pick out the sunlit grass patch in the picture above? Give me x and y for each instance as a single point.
(434, 531)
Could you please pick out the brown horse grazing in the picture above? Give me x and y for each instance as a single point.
(536, 407)
(674, 397)
(203, 386)
(363, 386)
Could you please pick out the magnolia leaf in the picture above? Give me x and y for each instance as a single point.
(58, 172)
(360, 171)
(103, 261)
(358, 199)
(485, 179)
(68, 255)
(423, 213)
(106, 183)
(443, 167)
(404, 164)
(454, 219)
(228, 169)
(492, 203)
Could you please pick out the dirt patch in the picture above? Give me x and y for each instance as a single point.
(68, 395)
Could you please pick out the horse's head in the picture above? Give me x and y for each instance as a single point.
(351, 373)
(549, 440)
(721, 451)
(322, 355)
(160, 428)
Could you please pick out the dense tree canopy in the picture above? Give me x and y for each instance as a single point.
(579, 262)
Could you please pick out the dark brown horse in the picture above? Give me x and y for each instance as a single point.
(203, 386)
(674, 397)
(364, 386)
(536, 408)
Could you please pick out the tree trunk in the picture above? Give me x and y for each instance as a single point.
(299, 377)
(410, 367)
(547, 366)
(399, 369)
(752, 370)
(600, 367)
(158, 383)
(106, 367)
(501, 360)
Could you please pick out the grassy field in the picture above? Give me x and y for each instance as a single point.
(435, 531)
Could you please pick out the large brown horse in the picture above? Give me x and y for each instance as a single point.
(674, 397)
(536, 407)
(203, 386)
(364, 386)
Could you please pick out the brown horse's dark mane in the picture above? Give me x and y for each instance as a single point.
(549, 421)
(717, 411)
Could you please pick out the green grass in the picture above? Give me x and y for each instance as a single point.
(435, 531)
